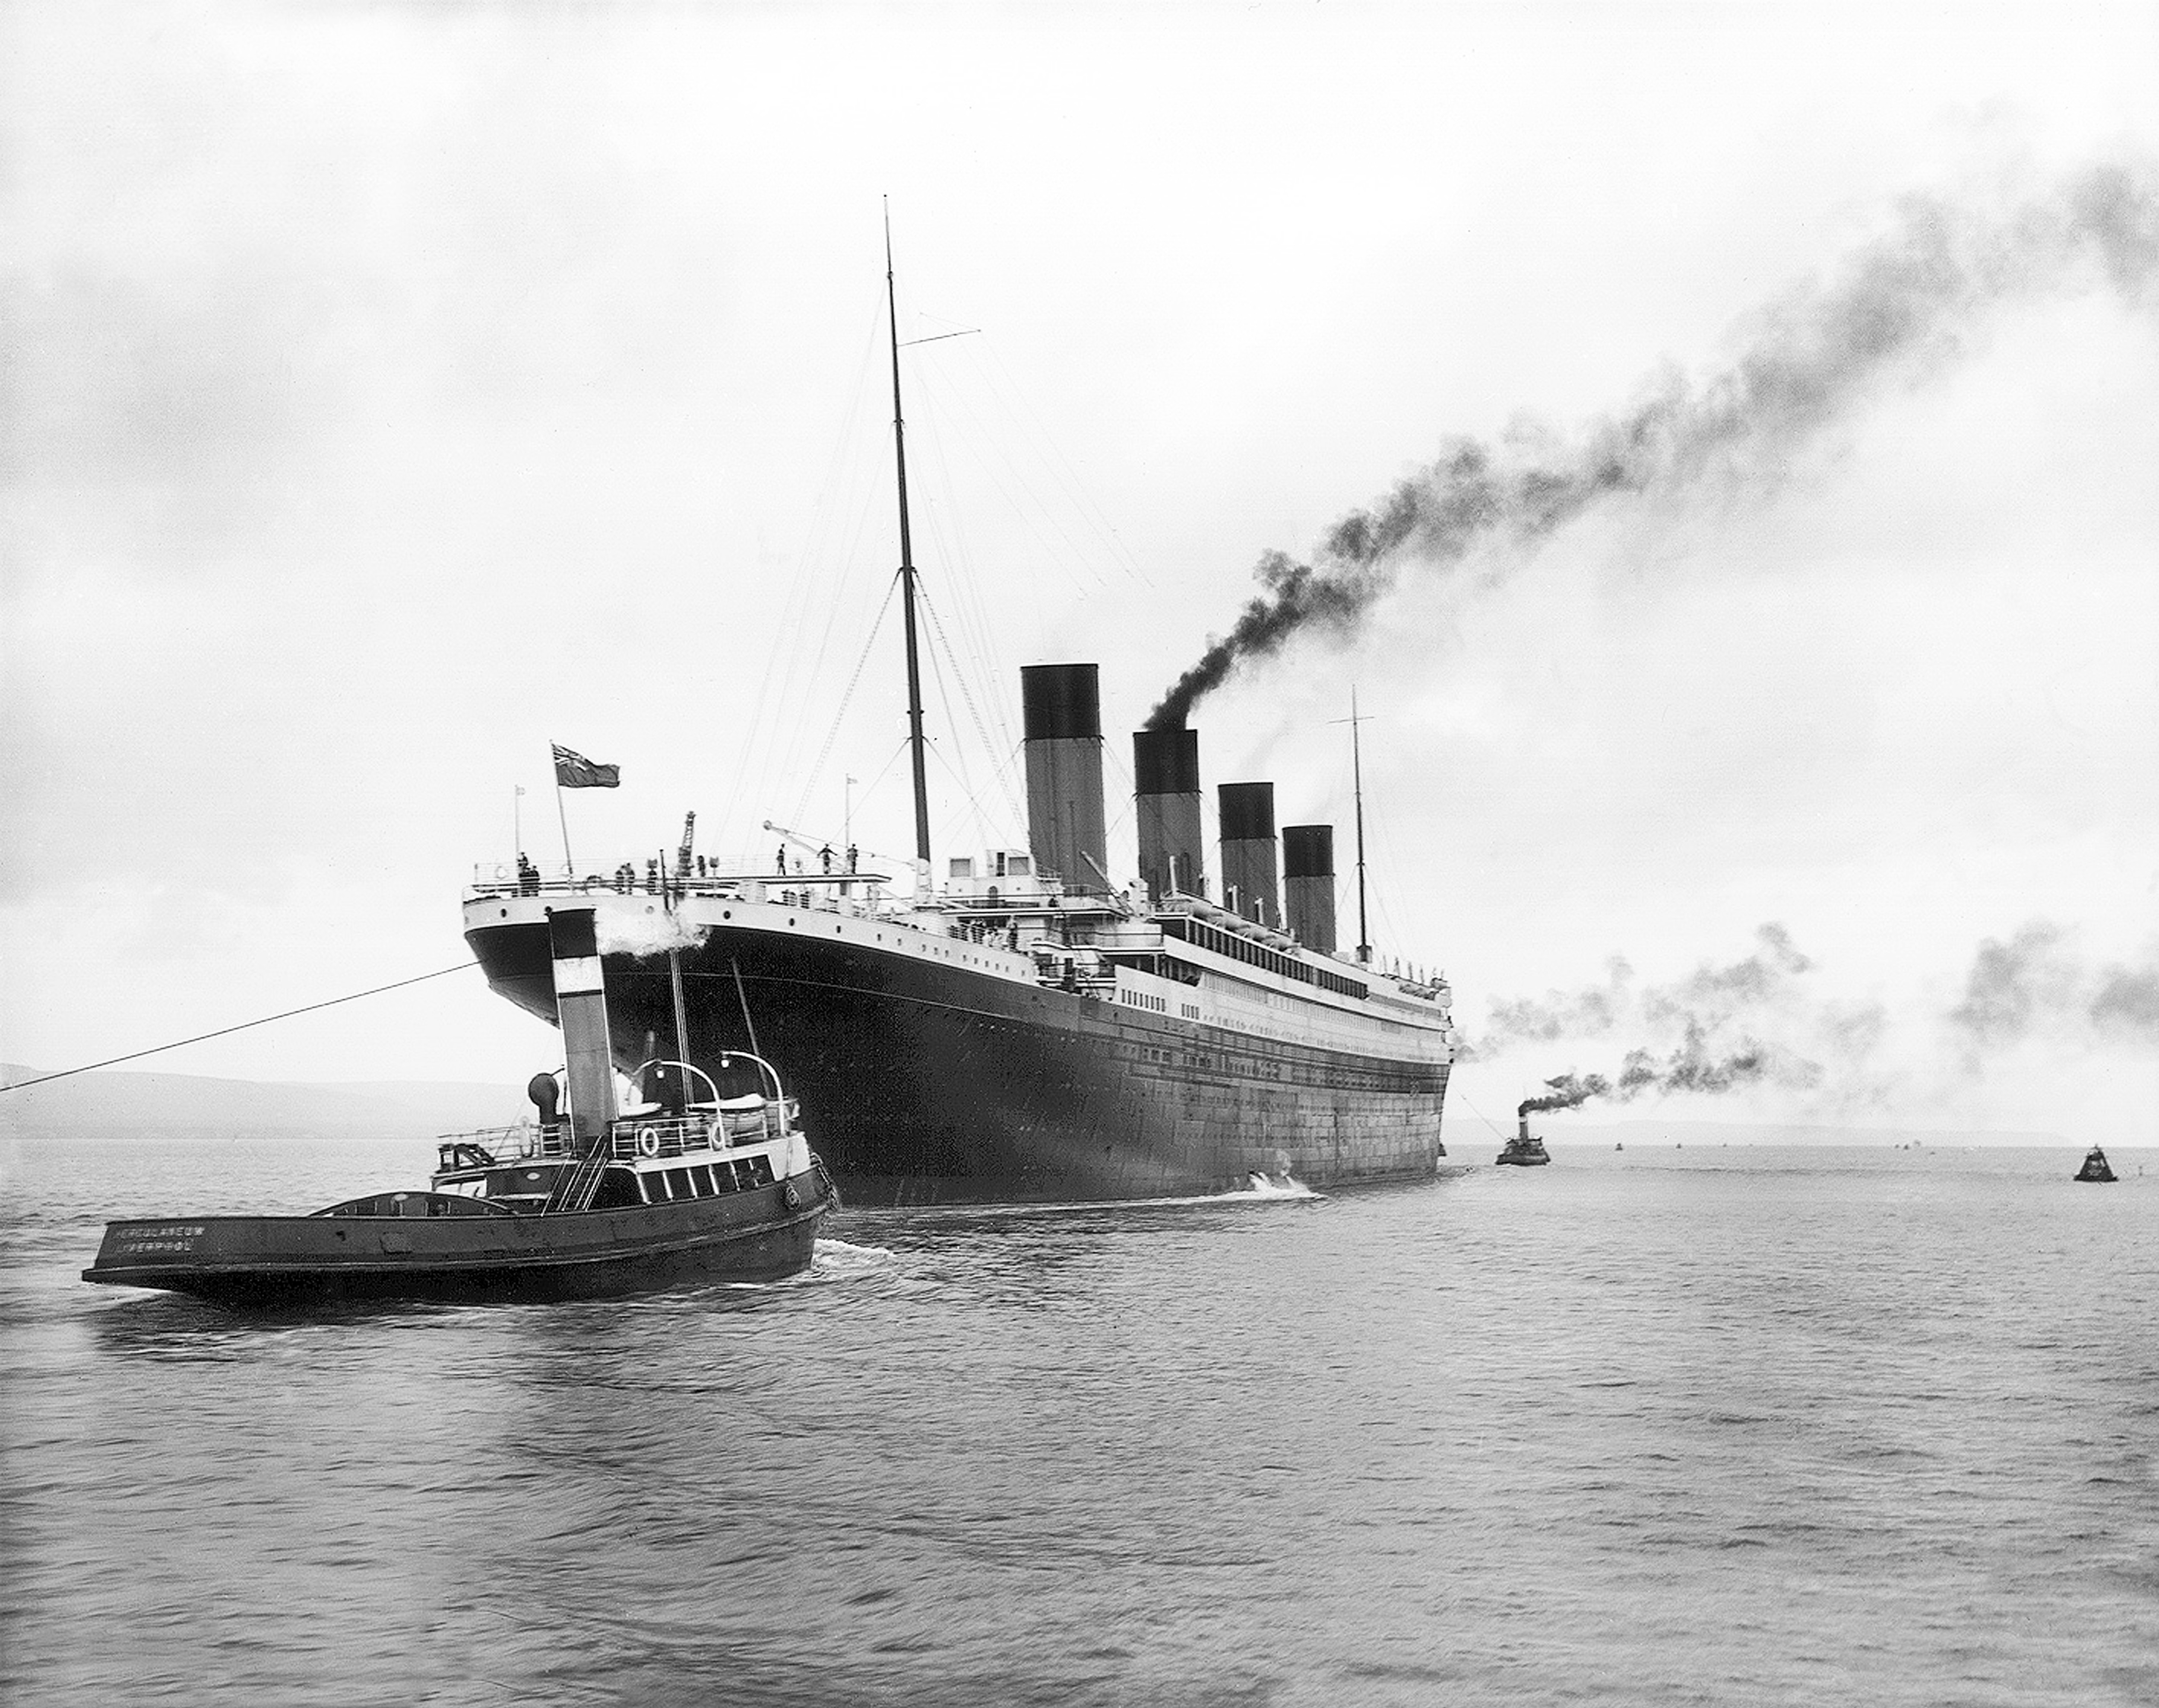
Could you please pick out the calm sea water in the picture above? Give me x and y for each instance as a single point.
(1661, 1427)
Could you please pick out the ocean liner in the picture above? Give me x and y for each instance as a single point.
(1028, 1029)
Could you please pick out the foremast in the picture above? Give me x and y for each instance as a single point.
(914, 741)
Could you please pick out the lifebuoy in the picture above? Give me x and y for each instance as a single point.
(648, 1141)
(712, 1130)
(793, 1198)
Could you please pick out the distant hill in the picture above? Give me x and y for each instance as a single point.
(182, 1107)
(1558, 1130)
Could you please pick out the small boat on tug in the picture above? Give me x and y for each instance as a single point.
(592, 1205)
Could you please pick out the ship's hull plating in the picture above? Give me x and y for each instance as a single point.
(925, 1080)
(302, 1261)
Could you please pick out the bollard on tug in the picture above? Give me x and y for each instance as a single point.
(591, 1204)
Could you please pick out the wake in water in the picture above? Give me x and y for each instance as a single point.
(1266, 1185)
(841, 1260)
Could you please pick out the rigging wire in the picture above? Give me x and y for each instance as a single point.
(767, 707)
(1060, 544)
(967, 698)
(1075, 489)
(840, 712)
(225, 1031)
(973, 800)
(971, 616)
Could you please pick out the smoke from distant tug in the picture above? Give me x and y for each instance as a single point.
(1692, 1066)
(1897, 303)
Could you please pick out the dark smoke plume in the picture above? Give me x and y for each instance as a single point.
(1898, 304)
(2036, 982)
(1567, 1092)
(1705, 1000)
(1693, 1067)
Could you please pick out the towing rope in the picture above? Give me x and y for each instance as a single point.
(178, 1044)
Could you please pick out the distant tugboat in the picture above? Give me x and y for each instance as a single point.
(1523, 1151)
(586, 1206)
(2095, 1166)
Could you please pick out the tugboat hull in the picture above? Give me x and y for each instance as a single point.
(436, 1251)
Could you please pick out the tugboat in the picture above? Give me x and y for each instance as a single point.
(2095, 1166)
(590, 1205)
(1523, 1151)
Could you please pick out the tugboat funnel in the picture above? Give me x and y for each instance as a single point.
(581, 1006)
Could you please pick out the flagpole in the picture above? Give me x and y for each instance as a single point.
(569, 864)
(517, 815)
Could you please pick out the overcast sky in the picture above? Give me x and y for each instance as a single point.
(392, 390)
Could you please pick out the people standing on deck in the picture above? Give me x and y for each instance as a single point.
(825, 854)
(528, 876)
(854, 858)
(783, 859)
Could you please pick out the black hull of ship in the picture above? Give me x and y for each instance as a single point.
(924, 1081)
(298, 1262)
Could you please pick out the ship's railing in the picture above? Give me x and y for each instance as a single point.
(857, 893)
(631, 1137)
(646, 1136)
(521, 1143)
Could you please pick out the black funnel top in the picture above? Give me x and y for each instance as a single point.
(1307, 851)
(1061, 702)
(1166, 762)
(1247, 811)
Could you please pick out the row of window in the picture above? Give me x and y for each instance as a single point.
(1237, 948)
(707, 1179)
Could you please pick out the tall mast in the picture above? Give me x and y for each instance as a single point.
(906, 573)
(1357, 775)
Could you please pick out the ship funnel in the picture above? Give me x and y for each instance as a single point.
(1062, 705)
(1525, 1120)
(1248, 850)
(581, 1006)
(1166, 806)
(1308, 853)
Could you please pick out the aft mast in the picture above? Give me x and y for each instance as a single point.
(907, 583)
(1357, 775)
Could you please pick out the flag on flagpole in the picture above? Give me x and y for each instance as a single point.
(575, 771)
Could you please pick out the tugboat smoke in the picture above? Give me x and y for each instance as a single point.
(1692, 1066)
(1897, 303)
